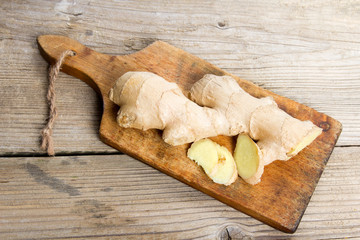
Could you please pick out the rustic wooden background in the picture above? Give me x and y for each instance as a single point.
(308, 51)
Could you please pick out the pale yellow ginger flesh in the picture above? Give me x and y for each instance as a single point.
(248, 159)
(148, 101)
(303, 143)
(217, 161)
(279, 135)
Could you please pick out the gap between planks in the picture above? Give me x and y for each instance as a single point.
(89, 153)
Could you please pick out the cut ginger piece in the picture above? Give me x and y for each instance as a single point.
(248, 159)
(217, 161)
(305, 142)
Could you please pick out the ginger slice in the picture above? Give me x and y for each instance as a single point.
(217, 161)
(248, 159)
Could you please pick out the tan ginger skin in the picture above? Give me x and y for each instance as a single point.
(148, 101)
(279, 135)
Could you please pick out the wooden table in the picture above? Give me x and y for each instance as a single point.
(308, 51)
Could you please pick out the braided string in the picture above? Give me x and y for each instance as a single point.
(46, 134)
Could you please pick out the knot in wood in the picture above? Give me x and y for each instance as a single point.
(325, 126)
(233, 231)
(222, 24)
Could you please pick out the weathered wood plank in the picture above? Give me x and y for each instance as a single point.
(115, 195)
(309, 52)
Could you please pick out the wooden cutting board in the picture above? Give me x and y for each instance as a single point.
(286, 187)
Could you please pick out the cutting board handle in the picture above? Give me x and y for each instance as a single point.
(92, 67)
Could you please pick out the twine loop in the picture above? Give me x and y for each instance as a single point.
(46, 134)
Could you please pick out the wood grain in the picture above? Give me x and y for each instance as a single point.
(118, 196)
(306, 51)
(284, 192)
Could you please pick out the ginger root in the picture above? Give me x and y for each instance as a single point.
(279, 135)
(217, 162)
(248, 159)
(148, 101)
